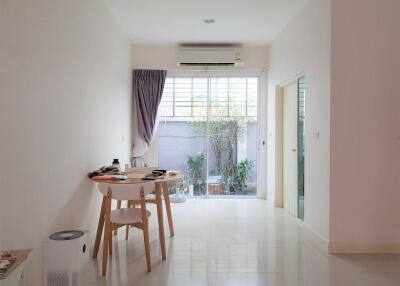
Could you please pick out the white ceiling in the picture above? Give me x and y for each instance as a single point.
(181, 21)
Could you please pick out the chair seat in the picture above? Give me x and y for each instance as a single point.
(127, 215)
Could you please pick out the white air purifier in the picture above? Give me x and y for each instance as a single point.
(66, 255)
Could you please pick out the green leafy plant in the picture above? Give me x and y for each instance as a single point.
(242, 174)
(223, 133)
(195, 167)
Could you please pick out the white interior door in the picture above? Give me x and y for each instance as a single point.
(290, 148)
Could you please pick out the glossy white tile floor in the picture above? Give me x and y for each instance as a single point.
(239, 242)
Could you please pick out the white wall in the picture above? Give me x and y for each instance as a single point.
(65, 87)
(164, 57)
(304, 47)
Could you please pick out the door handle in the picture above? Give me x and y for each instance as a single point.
(294, 150)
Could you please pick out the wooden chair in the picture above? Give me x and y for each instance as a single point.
(138, 171)
(150, 199)
(141, 170)
(114, 219)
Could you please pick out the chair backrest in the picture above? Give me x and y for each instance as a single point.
(136, 175)
(126, 191)
(141, 170)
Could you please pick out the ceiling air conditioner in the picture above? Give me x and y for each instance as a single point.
(204, 56)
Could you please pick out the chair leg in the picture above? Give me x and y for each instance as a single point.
(118, 207)
(128, 205)
(127, 232)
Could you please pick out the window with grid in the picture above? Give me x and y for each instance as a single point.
(212, 96)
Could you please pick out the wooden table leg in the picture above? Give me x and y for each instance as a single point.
(110, 243)
(107, 231)
(118, 207)
(100, 226)
(106, 245)
(168, 208)
(160, 220)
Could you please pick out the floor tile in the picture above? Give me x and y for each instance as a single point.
(237, 242)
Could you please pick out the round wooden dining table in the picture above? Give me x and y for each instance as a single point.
(161, 188)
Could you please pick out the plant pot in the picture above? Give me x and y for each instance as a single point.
(191, 188)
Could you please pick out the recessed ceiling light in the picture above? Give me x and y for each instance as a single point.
(209, 20)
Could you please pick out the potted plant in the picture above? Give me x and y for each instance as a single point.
(195, 169)
(242, 174)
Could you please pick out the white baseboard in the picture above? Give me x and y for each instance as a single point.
(350, 248)
(342, 248)
(317, 240)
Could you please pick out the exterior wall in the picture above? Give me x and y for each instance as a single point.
(304, 48)
(177, 141)
(65, 88)
(365, 126)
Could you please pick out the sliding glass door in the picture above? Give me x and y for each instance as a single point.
(208, 130)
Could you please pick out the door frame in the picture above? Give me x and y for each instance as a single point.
(279, 142)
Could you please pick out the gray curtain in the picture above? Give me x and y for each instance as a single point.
(148, 86)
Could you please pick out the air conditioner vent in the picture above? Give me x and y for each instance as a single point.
(210, 56)
(207, 64)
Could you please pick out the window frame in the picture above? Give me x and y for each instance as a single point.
(209, 78)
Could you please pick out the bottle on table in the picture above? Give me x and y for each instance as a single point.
(115, 163)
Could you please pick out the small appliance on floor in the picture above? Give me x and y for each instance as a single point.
(66, 254)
